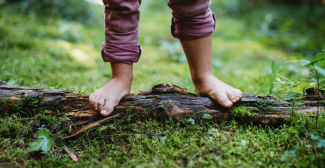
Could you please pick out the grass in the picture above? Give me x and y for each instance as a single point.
(127, 143)
(51, 52)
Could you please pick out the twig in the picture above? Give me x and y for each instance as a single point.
(194, 156)
(92, 125)
(155, 161)
(81, 123)
(71, 154)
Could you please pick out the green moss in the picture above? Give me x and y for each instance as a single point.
(28, 106)
(10, 127)
(263, 106)
(240, 111)
(3, 102)
(244, 115)
(57, 53)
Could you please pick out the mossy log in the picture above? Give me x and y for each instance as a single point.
(163, 101)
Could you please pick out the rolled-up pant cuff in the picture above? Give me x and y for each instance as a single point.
(124, 53)
(121, 31)
(189, 28)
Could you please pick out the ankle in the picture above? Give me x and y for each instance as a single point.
(201, 78)
(125, 79)
(122, 72)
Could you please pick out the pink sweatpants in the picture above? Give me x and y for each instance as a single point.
(191, 19)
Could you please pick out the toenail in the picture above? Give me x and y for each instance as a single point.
(104, 112)
(228, 103)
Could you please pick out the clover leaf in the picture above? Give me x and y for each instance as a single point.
(44, 141)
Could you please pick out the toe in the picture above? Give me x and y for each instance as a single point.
(92, 102)
(238, 93)
(222, 99)
(100, 104)
(95, 104)
(108, 107)
(92, 96)
(232, 96)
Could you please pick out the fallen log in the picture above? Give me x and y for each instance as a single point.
(163, 101)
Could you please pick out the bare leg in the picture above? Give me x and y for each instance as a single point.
(107, 97)
(199, 55)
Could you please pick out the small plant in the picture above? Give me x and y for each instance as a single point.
(275, 78)
(191, 120)
(317, 65)
(317, 70)
(206, 116)
(44, 141)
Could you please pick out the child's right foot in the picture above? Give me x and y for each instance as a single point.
(106, 98)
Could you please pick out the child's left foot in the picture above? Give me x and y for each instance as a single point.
(224, 94)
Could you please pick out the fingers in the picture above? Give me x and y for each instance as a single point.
(222, 99)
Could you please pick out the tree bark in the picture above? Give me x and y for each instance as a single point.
(163, 101)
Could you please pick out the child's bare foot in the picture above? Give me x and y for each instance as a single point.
(199, 57)
(107, 97)
(224, 94)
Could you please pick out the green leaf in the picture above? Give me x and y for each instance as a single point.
(271, 78)
(320, 70)
(321, 143)
(323, 50)
(289, 98)
(273, 67)
(281, 70)
(296, 61)
(321, 84)
(279, 80)
(191, 120)
(277, 96)
(311, 67)
(271, 88)
(263, 87)
(207, 116)
(317, 57)
(44, 141)
(322, 63)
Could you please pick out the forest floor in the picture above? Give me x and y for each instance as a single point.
(51, 53)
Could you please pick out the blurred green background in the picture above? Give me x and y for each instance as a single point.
(54, 44)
